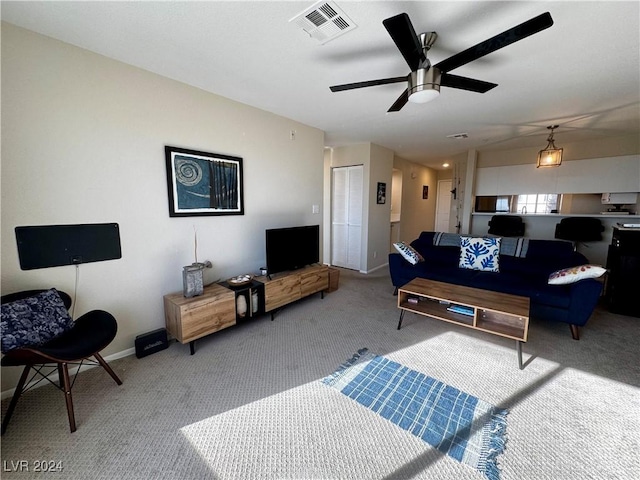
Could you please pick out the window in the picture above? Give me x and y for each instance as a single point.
(537, 203)
(502, 204)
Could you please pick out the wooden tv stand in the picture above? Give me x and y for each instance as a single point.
(188, 319)
(286, 287)
(492, 312)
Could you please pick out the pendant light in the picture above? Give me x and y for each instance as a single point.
(551, 156)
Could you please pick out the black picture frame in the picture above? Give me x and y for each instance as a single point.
(203, 183)
(381, 195)
(425, 192)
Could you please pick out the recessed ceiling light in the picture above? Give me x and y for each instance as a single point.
(445, 165)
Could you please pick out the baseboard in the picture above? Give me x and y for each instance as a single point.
(109, 358)
(384, 265)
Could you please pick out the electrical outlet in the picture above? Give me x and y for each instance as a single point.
(292, 135)
(315, 208)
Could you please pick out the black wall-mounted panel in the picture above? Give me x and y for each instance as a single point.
(56, 245)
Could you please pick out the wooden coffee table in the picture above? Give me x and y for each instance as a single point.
(492, 312)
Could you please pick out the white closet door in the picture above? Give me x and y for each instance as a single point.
(339, 215)
(346, 216)
(443, 206)
(354, 242)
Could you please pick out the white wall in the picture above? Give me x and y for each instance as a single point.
(381, 170)
(83, 141)
(598, 147)
(396, 194)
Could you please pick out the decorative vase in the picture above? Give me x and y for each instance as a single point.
(192, 281)
(254, 301)
(241, 306)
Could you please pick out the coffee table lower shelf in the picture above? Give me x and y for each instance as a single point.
(491, 312)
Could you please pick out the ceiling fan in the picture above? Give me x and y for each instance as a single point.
(425, 80)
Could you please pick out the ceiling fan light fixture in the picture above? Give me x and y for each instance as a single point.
(424, 95)
(424, 85)
(551, 156)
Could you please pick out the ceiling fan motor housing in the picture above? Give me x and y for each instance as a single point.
(425, 82)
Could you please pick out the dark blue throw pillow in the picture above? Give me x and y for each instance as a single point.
(33, 321)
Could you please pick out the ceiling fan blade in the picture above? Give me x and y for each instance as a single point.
(464, 83)
(501, 40)
(370, 83)
(403, 34)
(400, 102)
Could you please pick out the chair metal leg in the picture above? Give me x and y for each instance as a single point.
(14, 399)
(66, 385)
(106, 366)
(60, 376)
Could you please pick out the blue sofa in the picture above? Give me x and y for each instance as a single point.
(524, 268)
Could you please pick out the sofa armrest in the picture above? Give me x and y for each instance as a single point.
(399, 270)
(585, 295)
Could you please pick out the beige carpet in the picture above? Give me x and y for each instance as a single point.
(249, 404)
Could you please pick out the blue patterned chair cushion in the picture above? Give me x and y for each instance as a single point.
(480, 253)
(33, 321)
(408, 253)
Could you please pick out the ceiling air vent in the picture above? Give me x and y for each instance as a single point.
(458, 136)
(324, 21)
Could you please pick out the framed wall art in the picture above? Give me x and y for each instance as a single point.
(425, 192)
(382, 193)
(202, 183)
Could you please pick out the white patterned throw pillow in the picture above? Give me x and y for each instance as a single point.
(480, 253)
(408, 252)
(575, 274)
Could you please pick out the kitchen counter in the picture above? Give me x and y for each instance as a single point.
(543, 226)
(602, 216)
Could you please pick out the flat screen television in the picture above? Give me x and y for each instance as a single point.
(292, 248)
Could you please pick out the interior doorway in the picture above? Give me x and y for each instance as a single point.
(443, 206)
(346, 216)
(396, 207)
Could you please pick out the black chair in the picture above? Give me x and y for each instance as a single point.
(579, 229)
(90, 333)
(506, 226)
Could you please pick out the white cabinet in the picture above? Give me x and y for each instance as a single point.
(515, 179)
(595, 175)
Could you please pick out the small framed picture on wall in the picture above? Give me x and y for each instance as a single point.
(382, 193)
(425, 192)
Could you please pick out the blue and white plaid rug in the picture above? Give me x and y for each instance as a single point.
(462, 426)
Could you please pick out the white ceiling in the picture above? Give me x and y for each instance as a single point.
(583, 73)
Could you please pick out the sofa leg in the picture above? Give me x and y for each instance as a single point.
(395, 292)
(575, 333)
